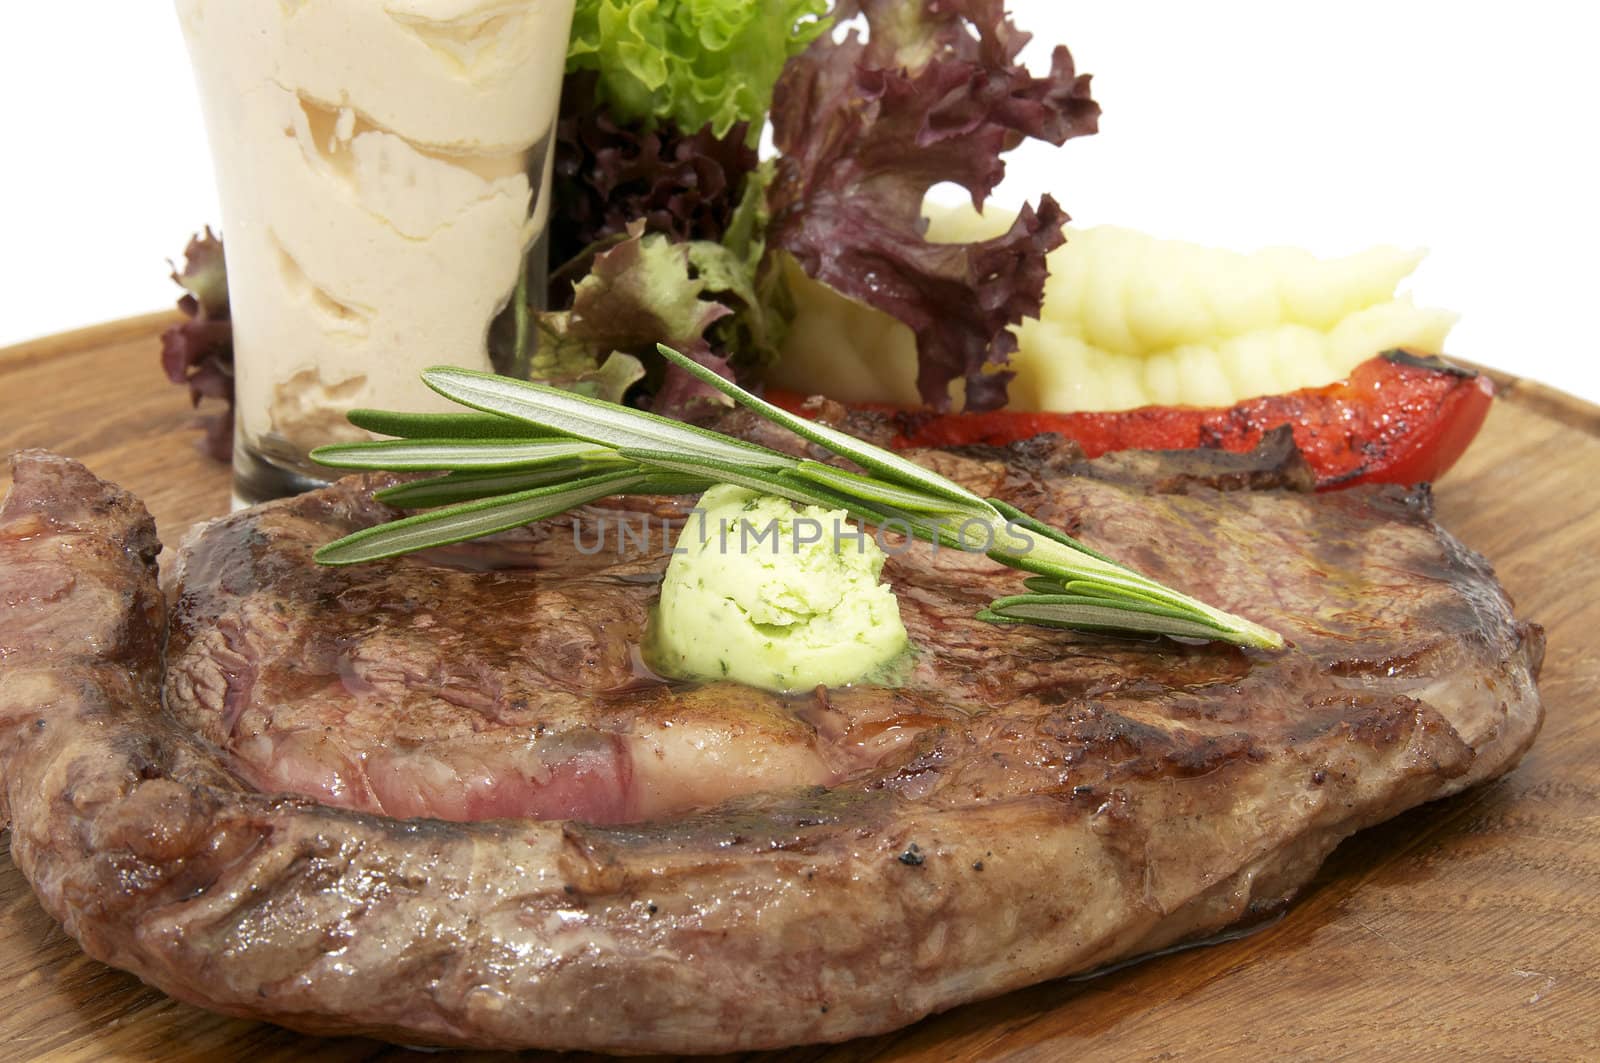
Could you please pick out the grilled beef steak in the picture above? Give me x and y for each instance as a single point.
(249, 802)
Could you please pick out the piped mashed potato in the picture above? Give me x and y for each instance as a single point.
(1130, 320)
(765, 594)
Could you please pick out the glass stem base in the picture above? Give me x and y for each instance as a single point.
(259, 477)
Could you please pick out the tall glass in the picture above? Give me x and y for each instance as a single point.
(384, 171)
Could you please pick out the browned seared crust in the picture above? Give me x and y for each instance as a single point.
(1099, 800)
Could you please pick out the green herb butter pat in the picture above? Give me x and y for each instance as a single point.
(774, 596)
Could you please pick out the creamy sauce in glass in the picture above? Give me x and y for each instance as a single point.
(382, 166)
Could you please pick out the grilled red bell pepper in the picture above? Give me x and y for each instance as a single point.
(1399, 418)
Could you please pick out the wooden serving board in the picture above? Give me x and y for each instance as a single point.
(1466, 929)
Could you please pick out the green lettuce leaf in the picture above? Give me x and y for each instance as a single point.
(646, 287)
(739, 270)
(696, 63)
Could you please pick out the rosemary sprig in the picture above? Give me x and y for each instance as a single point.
(532, 452)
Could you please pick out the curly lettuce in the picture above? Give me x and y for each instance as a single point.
(865, 127)
(688, 186)
(645, 290)
(694, 63)
(198, 352)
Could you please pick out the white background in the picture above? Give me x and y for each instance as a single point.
(1464, 127)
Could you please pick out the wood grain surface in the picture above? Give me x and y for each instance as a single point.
(1466, 929)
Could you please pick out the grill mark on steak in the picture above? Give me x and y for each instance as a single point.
(1128, 796)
